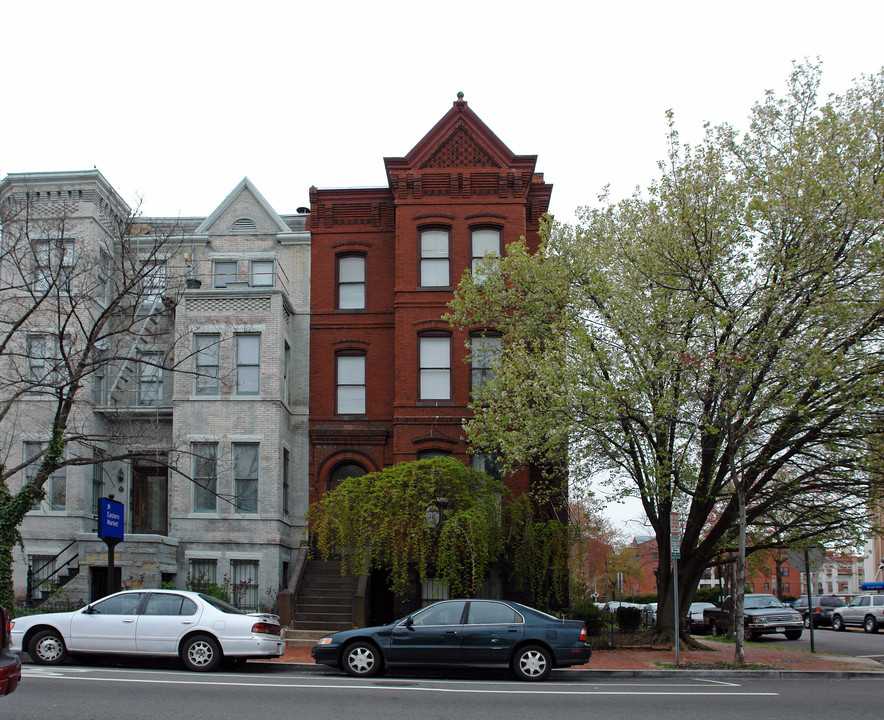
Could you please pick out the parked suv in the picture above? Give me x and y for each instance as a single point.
(10, 665)
(823, 607)
(865, 611)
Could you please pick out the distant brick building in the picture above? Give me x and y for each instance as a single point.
(388, 382)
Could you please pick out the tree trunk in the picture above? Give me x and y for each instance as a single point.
(739, 625)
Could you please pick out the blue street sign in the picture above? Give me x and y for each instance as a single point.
(112, 517)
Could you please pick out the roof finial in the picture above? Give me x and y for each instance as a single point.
(460, 100)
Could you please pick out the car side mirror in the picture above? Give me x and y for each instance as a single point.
(409, 622)
(88, 610)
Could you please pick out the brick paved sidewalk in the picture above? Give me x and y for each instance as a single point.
(645, 659)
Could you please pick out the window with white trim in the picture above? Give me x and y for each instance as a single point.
(483, 242)
(206, 347)
(245, 480)
(224, 272)
(55, 486)
(351, 282)
(150, 379)
(435, 367)
(484, 356)
(434, 268)
(248, 364)
(351, 384)
(205, 477)
(261, 273)
(53, 265)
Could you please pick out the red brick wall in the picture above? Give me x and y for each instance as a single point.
(458, 176)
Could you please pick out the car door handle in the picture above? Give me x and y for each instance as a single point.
(128, 620)
(187, 622)
(451, 632)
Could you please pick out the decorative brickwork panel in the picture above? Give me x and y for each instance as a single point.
(228, 306)
(460, 150)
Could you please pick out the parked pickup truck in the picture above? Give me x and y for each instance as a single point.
(762, 615)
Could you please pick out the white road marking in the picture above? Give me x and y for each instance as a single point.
(515, 690)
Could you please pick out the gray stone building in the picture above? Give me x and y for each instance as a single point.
(193, 406)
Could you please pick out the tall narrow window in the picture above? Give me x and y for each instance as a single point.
(225, 272)
(434, 258)
(153, 285)
(485, 354)
(150, 379)
(205, 477)
(351, 385)
(248, 364)
(484, 242)
(435, 368)
(244, 585)
(207, 353)
(37, 366)
(351, 282)
(56, 483)
(285, 482)
(261, 274)
(245, 468)
(286, 382)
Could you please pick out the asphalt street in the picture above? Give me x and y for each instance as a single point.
(277, 691)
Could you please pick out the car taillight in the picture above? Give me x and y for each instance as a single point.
(582, 637)
(267, 628)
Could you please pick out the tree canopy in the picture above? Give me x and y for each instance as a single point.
(724, 323)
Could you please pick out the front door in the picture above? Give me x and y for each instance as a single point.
(150, 493)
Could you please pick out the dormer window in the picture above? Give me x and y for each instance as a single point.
(244, 225)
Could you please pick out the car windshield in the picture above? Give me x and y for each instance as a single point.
(224, 607)
(762, 601)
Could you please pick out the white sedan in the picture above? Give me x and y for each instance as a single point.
(200, 629)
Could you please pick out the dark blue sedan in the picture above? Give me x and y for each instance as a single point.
(461, 633)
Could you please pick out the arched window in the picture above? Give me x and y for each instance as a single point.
(342, 472)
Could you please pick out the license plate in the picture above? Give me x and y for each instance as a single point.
(781, 629)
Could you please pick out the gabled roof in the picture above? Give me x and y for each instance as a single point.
(245, 186)
(460, 140)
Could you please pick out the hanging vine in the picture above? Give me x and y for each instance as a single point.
(438, 514)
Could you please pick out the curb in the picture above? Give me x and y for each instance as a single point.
(561, 674)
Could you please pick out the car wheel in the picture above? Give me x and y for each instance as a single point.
(870, 625)
(201, 653)
(807, 621)
(362, 659)
(532, 663)
(714, 629)
(793, 634)
(47, 648)
(837, 623)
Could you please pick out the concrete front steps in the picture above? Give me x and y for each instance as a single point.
(324, 603)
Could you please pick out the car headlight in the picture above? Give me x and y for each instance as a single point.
(325, 641)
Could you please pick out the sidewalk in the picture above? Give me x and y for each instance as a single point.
(639, 660)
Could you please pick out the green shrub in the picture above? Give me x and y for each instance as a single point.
(591, 614)
(629, 618)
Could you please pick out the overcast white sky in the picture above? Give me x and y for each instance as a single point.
(176, 101)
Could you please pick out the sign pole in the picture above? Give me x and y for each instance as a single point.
(675, 551)
(110, 529)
